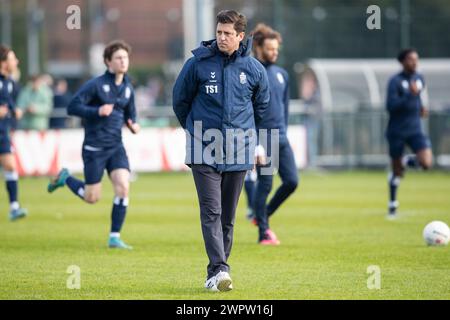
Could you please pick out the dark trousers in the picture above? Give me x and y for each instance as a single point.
(289, 177)
(218, 196)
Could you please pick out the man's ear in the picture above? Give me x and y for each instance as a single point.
(241, 36)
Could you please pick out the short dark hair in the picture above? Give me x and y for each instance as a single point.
(4, 51)
(238, 20)
(263, 32)
(114, 46)
(404, 53)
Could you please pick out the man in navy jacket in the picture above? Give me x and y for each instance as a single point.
(405, 108)
(218, 97)
(105, 104)
(266, 44)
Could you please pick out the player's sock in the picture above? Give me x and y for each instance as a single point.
(394, 183)
(119, 212)
(410, 161)
(11, 178)
(76, 186)
(14, 206)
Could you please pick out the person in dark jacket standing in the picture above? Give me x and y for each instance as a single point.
(405, 108)
(266, 42)
(218, 97)
(105, 104)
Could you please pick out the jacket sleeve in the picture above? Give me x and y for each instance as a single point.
(12, 96)
(184, 91)
(396, 101)
(422, 91)
(130, 111)
(261, 96)
(79, 106)
(11, 104)
(286, 101)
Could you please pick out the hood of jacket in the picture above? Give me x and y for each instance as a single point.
(209, 48)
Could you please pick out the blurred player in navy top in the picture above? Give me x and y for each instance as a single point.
(105, 104)
(8, 64)
(266, 43)
(405, 108)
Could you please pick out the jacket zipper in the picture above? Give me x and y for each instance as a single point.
(224, 112)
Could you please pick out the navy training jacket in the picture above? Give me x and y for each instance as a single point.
(224, 93)
(404, 107)
(104, 132)
(277, 113)
(6, 98)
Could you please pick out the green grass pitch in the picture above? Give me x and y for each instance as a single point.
(332, 229)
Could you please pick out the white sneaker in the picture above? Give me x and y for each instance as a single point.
(210, 284)
(223, 281)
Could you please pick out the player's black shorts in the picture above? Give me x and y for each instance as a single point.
(416, 142)
(96, 160)
(5, 143)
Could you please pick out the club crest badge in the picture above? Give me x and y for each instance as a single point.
(106, 88)
(280, 78)
(243, 78)
(127, 93)
(419, 84)
(405, 84)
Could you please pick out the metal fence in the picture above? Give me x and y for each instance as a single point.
(335, 139)
(357, 139)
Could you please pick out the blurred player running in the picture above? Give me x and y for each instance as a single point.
(8, 64)
(105, 104)
(405, 108)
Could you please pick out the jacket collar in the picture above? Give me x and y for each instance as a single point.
(209, 48)
(112, 77)
(408, 75)
(266, 64)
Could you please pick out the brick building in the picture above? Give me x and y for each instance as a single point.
(153, 28)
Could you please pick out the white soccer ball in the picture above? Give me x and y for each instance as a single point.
(436, 233)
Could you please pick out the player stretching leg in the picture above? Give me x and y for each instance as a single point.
(105, 104)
